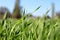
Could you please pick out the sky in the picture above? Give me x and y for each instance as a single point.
(31, 5)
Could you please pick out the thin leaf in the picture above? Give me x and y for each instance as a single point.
(36, 9)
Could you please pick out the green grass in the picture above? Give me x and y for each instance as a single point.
(30, 29)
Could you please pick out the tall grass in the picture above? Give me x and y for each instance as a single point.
(29, 29)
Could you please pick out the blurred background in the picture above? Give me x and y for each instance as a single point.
(16, 7)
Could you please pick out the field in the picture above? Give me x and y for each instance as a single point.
(20, 25)
(30, 29)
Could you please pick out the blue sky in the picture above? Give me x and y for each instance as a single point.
(30, 5)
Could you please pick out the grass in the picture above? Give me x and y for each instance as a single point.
(30, 29)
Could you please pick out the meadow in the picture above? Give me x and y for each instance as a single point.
(30, 28)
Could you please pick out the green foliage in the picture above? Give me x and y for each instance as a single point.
(29, 29)
(52, 11)
(36, 9)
